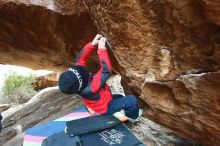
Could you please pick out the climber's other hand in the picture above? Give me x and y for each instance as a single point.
(102, 43)
(96, 39)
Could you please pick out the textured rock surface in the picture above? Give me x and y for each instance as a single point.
(33, 35)
(152, 134)
(169, 54)
(46, 105)
(166, 51)
(45, 81)
(4, 107)
(211, 11)
(189, 105)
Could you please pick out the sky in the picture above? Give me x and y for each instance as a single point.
(4, 69)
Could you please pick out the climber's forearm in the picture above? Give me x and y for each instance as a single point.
(84, 54)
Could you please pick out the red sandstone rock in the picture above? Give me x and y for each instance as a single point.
(45, 81)
(35, 34)
(166, 51)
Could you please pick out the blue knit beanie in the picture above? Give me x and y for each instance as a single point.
(73, 80)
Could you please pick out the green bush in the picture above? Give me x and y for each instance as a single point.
(17, 89)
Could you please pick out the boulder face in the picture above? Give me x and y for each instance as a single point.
(169, 55)
(166, 51)
(43, 34)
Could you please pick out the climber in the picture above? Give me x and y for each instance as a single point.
(94, 91)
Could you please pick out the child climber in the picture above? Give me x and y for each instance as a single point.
(95, 92)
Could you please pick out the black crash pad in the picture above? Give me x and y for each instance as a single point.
(89, 124)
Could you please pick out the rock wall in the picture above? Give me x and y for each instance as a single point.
(169, 56)
(167, 51)
(43, 34)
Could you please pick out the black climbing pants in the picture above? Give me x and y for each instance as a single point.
(128, 103)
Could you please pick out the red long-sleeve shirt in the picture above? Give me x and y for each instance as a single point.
(96, 94)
